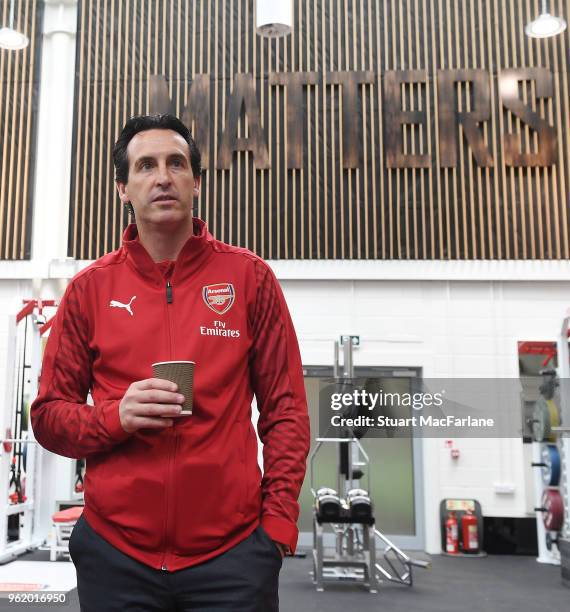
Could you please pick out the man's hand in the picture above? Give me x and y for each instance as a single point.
(148, 404)
(283, 548)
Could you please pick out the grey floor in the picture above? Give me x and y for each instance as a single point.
(491, 584)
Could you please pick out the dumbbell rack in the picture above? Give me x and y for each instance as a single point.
(355, 547)
(355, 557)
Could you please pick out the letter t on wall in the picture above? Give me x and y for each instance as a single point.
(351, 113)
(294, 82)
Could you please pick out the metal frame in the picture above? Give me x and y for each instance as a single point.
(359, 565)
(355, 555)
(59, 546)
(28, 526)
(42, 467)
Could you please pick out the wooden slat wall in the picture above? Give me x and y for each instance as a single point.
(19, 85)
(323, 210)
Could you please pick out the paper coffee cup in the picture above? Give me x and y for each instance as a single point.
(181, 373)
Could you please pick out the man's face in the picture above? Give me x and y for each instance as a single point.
(161, 185)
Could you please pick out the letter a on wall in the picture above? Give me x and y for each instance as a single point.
(243, 97)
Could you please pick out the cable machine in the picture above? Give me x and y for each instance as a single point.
(348, 510)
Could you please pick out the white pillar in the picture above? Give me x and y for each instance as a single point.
(55, 130)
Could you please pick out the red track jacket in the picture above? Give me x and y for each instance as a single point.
(177, 497)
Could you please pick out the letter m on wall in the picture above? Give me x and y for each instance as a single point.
(196, 115)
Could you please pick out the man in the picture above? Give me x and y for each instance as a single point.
(176, 514)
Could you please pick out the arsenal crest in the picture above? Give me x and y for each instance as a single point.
(220, 297)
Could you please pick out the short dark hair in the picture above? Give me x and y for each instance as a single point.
(151, 122)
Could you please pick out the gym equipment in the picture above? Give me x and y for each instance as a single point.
(545, 554)
(549, 383)
(79, 486)
(546, 415)
(63, 524)
(327, 504)
(30, 476)
(349, 512)
(19, 463)
(551, 457)
(563, 431)
(359, 505)
(551, 540)
(550, 465)
(355, 557)
(553, 510)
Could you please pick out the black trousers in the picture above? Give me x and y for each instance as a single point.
(244, 578)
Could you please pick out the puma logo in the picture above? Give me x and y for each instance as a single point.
(116, 304)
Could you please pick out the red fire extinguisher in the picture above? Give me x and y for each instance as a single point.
(452, 534)
(469, 532)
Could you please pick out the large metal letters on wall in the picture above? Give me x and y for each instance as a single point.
(19, 88)
(387, 129)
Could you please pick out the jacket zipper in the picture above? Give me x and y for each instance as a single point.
(169, 300)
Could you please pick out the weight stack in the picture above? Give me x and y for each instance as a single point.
(564, 548)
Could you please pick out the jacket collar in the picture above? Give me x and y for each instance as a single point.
(191, 257)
